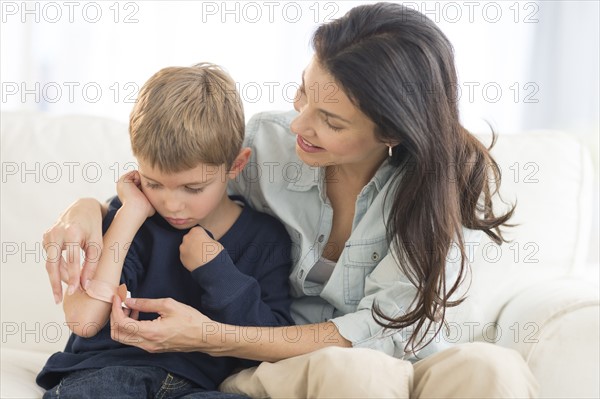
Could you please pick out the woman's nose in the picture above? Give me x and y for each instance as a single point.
(301, 124)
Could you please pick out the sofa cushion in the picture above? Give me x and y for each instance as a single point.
(549, 175)
(19, 368)
(555, 320)
(47, 163)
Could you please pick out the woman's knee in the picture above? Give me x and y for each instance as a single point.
(489, 358)
(500, 372)
(360, 372)
(356, 358)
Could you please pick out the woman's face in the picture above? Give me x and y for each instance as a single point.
(330, 129)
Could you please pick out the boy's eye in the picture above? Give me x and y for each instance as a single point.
(194, 190)
(152, 185)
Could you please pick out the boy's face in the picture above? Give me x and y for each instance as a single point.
(184, 199)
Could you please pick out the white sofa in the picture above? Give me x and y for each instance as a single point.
(536, 295)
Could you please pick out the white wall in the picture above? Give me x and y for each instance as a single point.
(522, 64)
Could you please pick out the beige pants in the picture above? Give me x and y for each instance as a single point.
(474, 370)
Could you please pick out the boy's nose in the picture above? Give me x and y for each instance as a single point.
(172, 204)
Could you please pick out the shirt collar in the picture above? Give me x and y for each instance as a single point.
(383, 175)
(312, 176)
(307, 178)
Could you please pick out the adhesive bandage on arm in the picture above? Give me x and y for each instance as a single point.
(103, 291)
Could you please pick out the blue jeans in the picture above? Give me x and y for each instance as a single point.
(117, 382)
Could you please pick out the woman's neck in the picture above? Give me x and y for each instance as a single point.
(355, 175)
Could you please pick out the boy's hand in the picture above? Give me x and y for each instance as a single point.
(131, 195)
(197, 249)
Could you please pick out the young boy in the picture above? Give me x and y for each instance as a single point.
(186, 132)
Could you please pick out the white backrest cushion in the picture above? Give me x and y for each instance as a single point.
(47, 163)
(549, 174)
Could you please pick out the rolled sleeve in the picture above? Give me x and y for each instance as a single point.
(390, 289)
(393, 293)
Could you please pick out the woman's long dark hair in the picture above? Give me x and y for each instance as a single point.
(397, 67)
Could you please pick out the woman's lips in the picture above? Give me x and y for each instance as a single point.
(306, 146)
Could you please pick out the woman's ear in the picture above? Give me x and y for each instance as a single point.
(239, 163)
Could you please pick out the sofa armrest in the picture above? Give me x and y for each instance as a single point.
(555, 327)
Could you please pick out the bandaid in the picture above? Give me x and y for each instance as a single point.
(103, 291)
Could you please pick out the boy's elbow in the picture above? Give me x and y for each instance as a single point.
(84, 327)
(85, 318)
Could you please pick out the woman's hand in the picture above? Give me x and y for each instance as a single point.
(197, 249)
(78, 228)
(179, 328)
(131, 195)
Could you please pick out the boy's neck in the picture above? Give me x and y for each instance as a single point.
(222, 218)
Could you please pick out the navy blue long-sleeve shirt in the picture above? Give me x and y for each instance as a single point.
(245, 285)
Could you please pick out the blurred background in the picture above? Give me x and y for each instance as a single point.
(522, 64)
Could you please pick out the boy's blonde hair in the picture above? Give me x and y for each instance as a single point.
(185, 116)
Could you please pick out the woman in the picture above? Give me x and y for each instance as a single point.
(377, 183)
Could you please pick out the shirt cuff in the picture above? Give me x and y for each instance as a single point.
(361, 329)
(220, 277)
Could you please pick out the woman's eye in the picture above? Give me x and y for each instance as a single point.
(335, 129)
(300, 93)
(332, 127)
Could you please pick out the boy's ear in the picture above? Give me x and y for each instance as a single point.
(240, 162)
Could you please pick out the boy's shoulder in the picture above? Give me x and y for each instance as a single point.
(256, 223)
(113, 206)
(114, 203)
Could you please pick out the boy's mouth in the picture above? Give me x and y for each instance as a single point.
(177, 222)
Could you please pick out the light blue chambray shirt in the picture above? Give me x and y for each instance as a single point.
(277, 182)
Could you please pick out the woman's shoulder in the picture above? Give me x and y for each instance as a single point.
(267, 125)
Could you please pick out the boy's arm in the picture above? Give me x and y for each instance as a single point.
(258, 298)
(85, 315)
(233, 297)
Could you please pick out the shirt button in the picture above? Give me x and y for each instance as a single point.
(321, 238)
(375, 256)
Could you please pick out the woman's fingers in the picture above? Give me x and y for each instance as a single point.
(77, 228)
(161, 306)
(64, 274)
(93, 250)
(54, 259)
(55, 241)
(168, 333)
(124, 329)
(73, 260)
